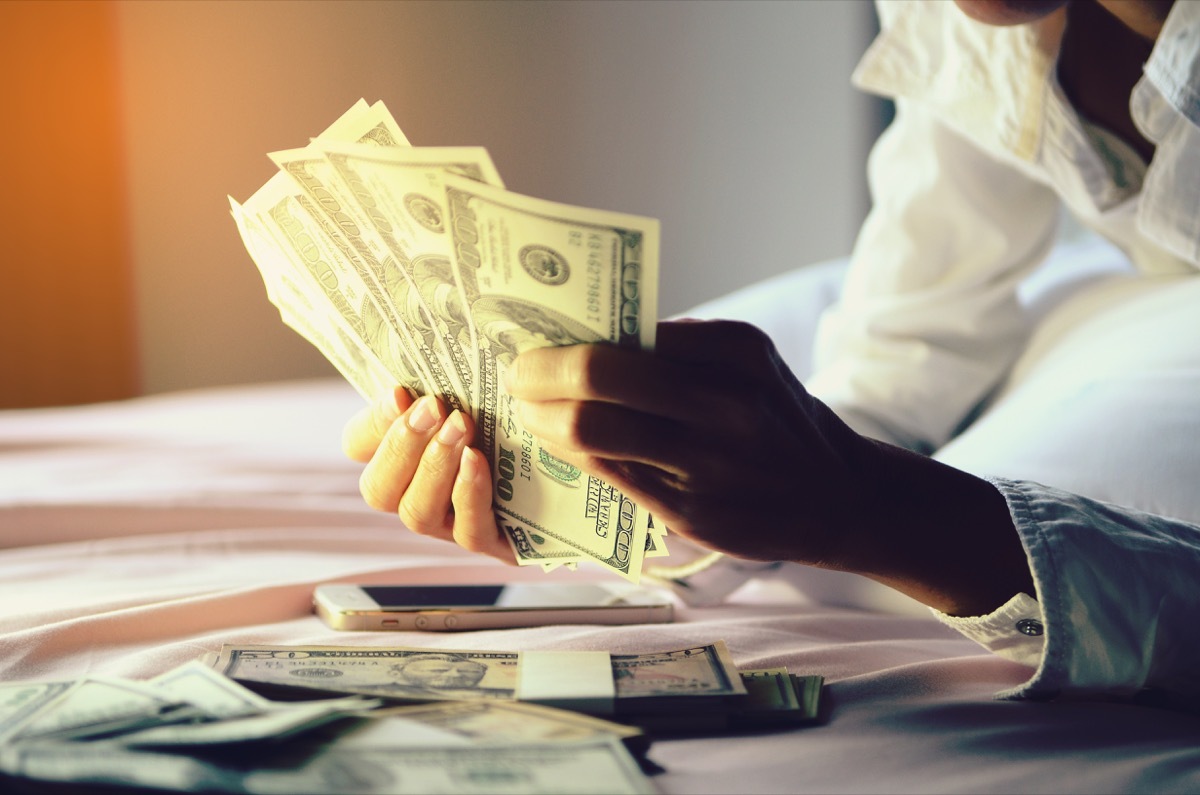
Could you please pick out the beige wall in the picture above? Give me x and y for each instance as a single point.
(734, 123)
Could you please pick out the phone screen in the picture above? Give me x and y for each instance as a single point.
(515, 595)
(434, 595)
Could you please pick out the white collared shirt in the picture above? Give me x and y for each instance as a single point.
(967, 187)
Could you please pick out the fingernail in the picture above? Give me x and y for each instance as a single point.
(424, 415)
(454, 429)
(468, 467)
(511, 377)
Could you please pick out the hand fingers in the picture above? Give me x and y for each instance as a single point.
(450, 496)
(390, 470)
(425, 504)
(606, 374)
(693, 376)
(474, 522)
(656, 489)
(730, 342)
(362, 434)
(422, 469)
(605, 430)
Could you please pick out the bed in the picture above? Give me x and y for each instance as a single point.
(138, 535)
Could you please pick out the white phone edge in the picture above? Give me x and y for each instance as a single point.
(351, 610)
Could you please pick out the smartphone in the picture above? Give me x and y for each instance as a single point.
(459, 607)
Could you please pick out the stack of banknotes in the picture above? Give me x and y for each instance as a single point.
(413, 266)
(376, 720)
(692, 689)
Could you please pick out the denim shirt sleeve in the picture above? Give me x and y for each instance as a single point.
(1117, 599)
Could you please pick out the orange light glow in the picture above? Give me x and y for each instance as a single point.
(67, 320)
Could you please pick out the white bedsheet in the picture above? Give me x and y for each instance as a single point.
(135, 536)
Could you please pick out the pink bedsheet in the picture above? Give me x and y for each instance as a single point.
(138, 535)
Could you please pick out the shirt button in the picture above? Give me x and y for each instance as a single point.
(1030, 626)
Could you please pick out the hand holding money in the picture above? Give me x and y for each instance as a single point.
(711, 432)
(414, 267)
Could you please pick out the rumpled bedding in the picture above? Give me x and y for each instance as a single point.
(135, 536)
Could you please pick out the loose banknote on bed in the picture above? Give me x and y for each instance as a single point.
(195, 730)
(414, 266)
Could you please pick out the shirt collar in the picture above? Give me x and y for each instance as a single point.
(1174, 65)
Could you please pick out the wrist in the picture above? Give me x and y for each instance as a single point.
(941, 535)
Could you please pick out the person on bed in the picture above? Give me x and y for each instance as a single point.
(1006, 112)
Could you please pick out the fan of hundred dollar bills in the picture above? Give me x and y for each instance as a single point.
(414, 266)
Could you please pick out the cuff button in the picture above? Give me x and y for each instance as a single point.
(1030, 626)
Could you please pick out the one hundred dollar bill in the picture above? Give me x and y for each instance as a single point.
(535, 273)
(356, 338)
(436, 275)
(323, 261)
(366, 124)
(353, 228)
(357, 344)
(399, 191)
